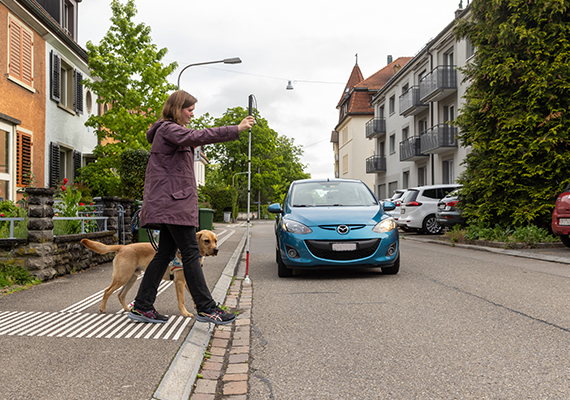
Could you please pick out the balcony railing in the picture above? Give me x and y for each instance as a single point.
(438, 138)
(410, 103)
(410, 149)
(439, 83)
(375, 164)
(375, 127)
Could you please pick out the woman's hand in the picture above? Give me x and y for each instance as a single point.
(246, 124)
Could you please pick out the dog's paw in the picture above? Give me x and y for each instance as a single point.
(102, 311)
(187, 314)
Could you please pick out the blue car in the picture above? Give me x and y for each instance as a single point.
(334, 223)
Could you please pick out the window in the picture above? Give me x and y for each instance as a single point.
(392, 144)
(392, 105)
(405, 179)
(405, 134)
(422, 125)
(449, 113)
(344, 136)
(392, 186)
(64, 163)
(20, 52)
(422, 176)
(65, 84)
(470, 49)
(448, 58)
(447, 171)
(5, 170)
(381, 112)
(345, 164)
(382, 191)
(23, 159)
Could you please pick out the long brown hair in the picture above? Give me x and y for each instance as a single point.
(174, 105)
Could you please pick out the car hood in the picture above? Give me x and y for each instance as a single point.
(314, 216)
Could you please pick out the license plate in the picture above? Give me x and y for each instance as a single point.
(344, 246)
(564, 221)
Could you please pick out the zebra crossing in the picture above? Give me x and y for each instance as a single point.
(73, 322)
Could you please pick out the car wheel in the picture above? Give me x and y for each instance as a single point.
(282, 270)
(566, 240)
(430, 225)
(394, 269)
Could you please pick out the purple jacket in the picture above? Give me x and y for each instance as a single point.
(170, 192)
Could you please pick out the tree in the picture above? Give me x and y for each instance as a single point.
(275, 160)
(128, 76)
(516, 116)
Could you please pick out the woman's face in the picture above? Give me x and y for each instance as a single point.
(187, 114)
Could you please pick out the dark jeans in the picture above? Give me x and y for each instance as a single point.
(173, 237)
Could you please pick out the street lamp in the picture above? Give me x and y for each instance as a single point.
(237, 173)
(235, 60)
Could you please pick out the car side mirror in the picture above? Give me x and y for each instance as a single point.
(389, 206)
(275, 208)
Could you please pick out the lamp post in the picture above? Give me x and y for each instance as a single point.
(237, 173)
(235, 60)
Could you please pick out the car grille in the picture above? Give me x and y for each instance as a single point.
(323, 249)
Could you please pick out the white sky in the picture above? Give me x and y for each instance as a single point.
(311, 42)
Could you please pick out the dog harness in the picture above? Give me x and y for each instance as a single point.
(175, 265)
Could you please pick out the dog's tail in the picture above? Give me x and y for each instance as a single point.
(99, 247)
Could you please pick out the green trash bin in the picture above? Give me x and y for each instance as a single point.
(206, 219)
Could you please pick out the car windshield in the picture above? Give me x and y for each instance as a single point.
(328, 194)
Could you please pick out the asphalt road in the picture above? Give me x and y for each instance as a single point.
(56, 345)
(455, 323)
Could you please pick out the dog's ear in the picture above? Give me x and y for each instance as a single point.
(199, 234)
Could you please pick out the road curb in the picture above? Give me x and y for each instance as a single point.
(510, 252)
(179, 379)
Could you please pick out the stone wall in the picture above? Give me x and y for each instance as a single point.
(46, 256)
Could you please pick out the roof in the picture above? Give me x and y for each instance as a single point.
(359, 94)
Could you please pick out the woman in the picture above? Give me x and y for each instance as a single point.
(170, 203)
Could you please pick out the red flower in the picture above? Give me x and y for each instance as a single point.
(90, 204)
(63, 188)
(65, 181)
(81, 204)
(2, 215)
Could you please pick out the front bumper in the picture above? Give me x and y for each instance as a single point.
(316, 250)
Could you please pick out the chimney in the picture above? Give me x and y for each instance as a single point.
(389, 59)
(396, 68)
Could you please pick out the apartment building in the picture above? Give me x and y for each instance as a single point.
(43, 107)
(352, 149)
(414, 139)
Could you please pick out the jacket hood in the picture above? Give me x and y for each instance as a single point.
(153, 129)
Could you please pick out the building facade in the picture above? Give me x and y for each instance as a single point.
(417, 143)
(353, 150)
(43, 108)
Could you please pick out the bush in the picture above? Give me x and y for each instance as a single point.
(11, 274)
(132, 169)
(70, 204)
(8, 209)
(221, 198)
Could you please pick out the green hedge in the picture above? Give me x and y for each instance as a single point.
(132, 171)
(221, 198)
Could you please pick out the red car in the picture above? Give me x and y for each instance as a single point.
(561, 217)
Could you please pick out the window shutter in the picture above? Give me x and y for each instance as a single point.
(78, 92)
(15, 65)
(53, 164)
(27, 57)
(55, 81)
(76, 163)
(24, 159)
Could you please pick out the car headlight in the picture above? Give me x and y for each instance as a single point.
(386, 225)
(295, 227)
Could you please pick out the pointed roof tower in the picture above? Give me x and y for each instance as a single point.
(355, 78)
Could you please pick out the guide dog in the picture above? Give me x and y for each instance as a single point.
(132, 259)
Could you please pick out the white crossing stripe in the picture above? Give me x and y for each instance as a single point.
(78, 325)
(72, 322)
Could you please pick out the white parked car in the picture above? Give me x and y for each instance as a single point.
(419, 207)
(397, 200)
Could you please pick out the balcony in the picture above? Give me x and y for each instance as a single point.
(334, 137)
(410, 149)
(376, 127)
(438, 138)
(410, 103)
(438, 84)
(375, 164)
